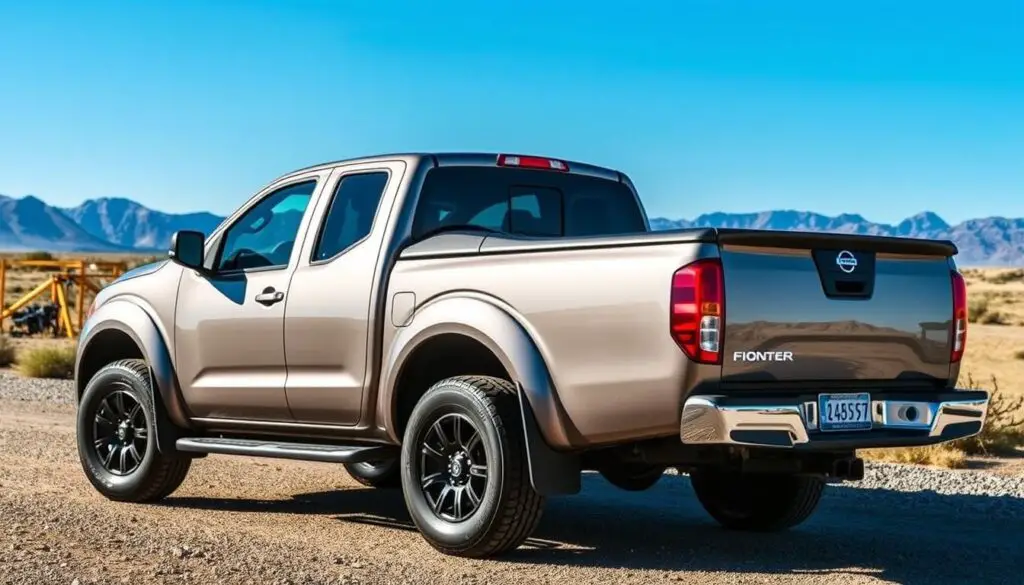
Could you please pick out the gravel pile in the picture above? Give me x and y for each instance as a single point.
(943, 482)
(15, 387)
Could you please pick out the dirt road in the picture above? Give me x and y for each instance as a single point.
(263, 521)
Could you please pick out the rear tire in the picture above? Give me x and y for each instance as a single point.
(116, 435)
(464, 468)
(757, 502)
(385, 474)
(632, 478)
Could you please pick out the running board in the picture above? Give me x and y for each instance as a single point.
(284, 450)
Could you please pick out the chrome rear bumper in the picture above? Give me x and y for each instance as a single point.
(903, 420)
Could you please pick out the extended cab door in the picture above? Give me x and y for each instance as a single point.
(331, 310)
(229, 324)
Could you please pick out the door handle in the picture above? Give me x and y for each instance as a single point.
(269, 296)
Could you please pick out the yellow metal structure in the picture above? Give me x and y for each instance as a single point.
(60, 275)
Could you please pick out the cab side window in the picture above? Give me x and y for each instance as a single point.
(265, 234)
(350, 216)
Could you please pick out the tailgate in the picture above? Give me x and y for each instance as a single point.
(807, 306)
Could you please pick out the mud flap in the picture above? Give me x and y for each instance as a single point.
(167, 434)
(551, 473)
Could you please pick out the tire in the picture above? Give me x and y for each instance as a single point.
(481, 421)
(385, 474)
(632, 478)
(120, 392)
(757, 502)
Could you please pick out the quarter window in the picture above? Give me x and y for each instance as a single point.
(351, 214)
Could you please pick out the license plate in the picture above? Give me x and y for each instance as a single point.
(844, 412)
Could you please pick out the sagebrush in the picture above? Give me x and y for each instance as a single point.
(55, 361)
(1004, 428)
(7, 353)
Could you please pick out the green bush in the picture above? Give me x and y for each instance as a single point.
(6, 352)
(47, 362)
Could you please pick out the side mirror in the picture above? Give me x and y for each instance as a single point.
(187, 249)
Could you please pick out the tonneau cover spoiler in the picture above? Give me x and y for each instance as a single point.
(817, 240)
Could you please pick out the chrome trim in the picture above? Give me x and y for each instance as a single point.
(705, 421)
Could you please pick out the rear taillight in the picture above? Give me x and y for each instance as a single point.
(532, 162)
(959, 317)
(697, 318)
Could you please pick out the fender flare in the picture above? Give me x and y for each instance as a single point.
(548, 432)
(136, 322)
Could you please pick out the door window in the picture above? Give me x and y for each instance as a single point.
(265, 234)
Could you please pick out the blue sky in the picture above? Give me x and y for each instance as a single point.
(878, 108)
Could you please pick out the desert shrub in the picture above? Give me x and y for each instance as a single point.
(6, 352)
(1019, 354)
(55, 361)
(994, 318)
(1004, 427)
(977, 307)
(1005, 276)
(38, 255)
(942, 455)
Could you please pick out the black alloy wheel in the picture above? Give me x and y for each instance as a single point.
(453, 468)
(120, 433)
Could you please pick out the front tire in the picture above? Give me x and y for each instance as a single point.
(757, 502)
(464, 468)
(116, 431)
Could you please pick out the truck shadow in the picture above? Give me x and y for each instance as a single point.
(906, 537)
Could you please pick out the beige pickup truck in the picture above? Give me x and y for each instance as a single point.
(478, 330)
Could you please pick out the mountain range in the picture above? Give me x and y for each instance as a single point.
(123, 225)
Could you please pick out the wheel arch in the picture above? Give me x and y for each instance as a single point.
(121, 329)
(465, 334)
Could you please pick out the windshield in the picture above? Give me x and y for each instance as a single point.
(526, 202)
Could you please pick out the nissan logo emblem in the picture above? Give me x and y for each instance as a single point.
(846, 261)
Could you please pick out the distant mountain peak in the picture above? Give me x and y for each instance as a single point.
(992, 241)
(126, 222)
(122, 224)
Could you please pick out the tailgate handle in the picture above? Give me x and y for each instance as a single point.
(849, 287)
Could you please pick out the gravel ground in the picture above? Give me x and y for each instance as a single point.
(243, 520)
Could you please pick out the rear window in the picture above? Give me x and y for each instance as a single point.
(526, 202)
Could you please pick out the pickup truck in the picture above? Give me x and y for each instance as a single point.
(478, 330)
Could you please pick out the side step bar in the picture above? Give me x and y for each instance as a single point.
(284, 450)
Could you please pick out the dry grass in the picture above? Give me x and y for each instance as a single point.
(47, 361)
(7, 352)
(943, 455)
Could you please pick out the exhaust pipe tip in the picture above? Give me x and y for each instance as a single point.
(841, 468)
(856, 469)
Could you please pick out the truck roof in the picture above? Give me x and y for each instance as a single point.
(460, 159)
